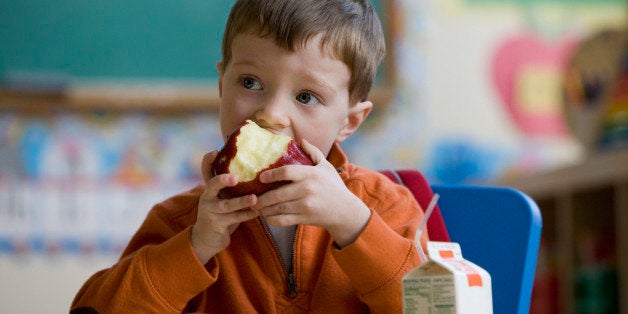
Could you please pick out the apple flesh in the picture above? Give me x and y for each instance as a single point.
(251, 150)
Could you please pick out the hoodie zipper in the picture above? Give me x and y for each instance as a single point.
(291, 280)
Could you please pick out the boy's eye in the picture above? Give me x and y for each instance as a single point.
(307, 98)
(251, 83)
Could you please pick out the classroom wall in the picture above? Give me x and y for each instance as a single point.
(452, 117)
(446, 118)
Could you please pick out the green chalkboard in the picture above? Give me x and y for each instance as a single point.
(145, 39)
(113, 39)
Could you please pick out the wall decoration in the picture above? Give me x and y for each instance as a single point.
(528, 74)
(82, 183)
(595, 89)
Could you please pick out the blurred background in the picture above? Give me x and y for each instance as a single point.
(108, 106)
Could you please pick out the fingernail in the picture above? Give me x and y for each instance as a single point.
(263, 177)
(231, 180)
(252, 199)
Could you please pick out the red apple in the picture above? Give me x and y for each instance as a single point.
(251, 150)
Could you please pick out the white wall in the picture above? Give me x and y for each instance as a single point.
(45, 283)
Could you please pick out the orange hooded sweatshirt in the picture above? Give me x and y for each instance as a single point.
(158, 272)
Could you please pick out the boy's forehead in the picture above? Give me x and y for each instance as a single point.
(252, 51)
(326, 48)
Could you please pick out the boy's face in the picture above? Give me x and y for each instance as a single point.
(303, 94)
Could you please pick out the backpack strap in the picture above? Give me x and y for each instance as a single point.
(422, 192)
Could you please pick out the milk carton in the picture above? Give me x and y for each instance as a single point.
(447, 283)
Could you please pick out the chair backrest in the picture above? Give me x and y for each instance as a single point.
(497, 228)
(500, 230)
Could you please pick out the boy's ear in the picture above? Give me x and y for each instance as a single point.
(357, 115)
(219, 68)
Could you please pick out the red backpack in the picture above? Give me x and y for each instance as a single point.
(420, 188)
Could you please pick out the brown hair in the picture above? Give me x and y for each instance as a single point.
(351, 32)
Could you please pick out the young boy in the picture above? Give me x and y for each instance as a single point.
(337, 239)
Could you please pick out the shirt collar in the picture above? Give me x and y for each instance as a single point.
(337, 158)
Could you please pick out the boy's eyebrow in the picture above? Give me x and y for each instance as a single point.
(321, 84)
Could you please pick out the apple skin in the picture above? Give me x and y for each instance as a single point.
(292, 155)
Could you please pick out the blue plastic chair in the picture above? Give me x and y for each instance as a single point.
(500, 230)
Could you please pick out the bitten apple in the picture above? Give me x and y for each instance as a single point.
(251, 150)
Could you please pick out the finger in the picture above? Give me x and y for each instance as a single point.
(239, 203)
(206, 164)
(283, 173)
(274, 210)
(282, 220)
(315, 154)
(233, 205)
(282, 194)
(241, 216)
(217, 183)
(284, 208)
(223, 223)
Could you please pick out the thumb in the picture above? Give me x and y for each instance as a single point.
(206, 165)
(313, 152)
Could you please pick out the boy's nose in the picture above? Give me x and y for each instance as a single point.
(274, 113)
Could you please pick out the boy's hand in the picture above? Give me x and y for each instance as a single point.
(316, 196)
(218, 218)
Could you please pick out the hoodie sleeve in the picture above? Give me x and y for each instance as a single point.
(157, 273)
(385, 251)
